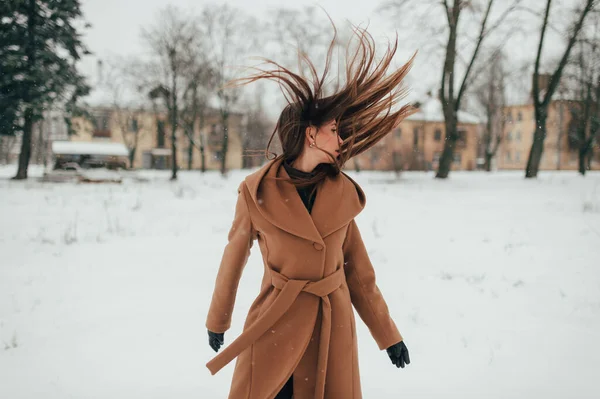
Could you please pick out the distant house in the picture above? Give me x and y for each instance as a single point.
(560, 150)
(153, 133)
(417, 143)
(89, 154)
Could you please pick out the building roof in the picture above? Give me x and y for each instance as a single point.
(530, 103)
(431, 111)
(89, 148)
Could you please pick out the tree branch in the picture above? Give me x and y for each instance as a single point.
(463, 85)
(536, 69)
(556, 75)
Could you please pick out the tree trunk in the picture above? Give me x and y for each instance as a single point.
(488, 161)
(225, 120)
(25, 154)
(39, 145)
(356, 165)
(174, 119)
(190, 147)
(541, 107)
(131, 157)
(582, 163)
(585, 155)
(173, 148)
(488, 137)
(448, 154)
(202, 153)
(446, 160)
(537, 148)
(447, 97)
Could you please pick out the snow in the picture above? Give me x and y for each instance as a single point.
(89, 148)
(493, 280)
(431, 111)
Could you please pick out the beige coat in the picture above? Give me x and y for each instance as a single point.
(315, 268)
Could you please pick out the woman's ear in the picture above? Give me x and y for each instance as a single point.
(310, 133)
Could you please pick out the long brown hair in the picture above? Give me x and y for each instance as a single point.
(363, 107)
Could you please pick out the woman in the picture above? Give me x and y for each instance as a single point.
(299, 338)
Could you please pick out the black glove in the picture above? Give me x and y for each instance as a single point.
(398, 354)
(215, 340)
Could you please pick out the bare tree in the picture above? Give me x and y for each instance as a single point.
(256, 127)
(39, 142)
(490, 93)
(306, 30)
(232, 35)
(477, 17)
(583, 75)
(309, 31)
(131, 126)
(200, 85)
(171, 41)
(542, 103)
(127, 103)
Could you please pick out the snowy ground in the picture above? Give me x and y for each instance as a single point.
(494, 282)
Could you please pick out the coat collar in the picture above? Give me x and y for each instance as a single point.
(339, 199)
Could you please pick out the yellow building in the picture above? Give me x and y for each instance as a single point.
(417, 143)
(150, 134)
(559, 152)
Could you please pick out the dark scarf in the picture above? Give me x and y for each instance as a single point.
(304, 192)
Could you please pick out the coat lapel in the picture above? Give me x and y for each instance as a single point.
(339, 199)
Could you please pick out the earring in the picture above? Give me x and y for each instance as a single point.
(312, 144)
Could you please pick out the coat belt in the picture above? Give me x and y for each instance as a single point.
(290, 289)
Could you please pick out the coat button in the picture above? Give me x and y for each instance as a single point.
(317, 246)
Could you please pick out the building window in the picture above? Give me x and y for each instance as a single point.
(101, 120)
(509, 116)
(518, 136)
(517, 156)
(520, 116)
(436, 157)
(437, 135)
(457, 158)
(215, 138)
(462, 137)
(398, 133)
(101, 124)
(415, 137)
(508, 157)
(509, 136)
(133, 124)
(160, 134)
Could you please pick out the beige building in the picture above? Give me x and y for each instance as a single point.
(559, 152)
(417, 143)
(152, 134)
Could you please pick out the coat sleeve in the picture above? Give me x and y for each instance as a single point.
(233, 261)
(364, 293)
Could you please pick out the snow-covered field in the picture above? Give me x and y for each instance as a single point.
(494, 282)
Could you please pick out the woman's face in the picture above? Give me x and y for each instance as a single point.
(328, 139)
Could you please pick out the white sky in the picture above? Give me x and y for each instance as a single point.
(116, 26)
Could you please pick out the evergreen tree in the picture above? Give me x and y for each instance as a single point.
(40, 44)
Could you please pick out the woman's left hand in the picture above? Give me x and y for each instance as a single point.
(398, 354)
